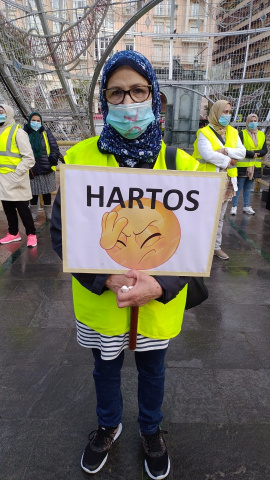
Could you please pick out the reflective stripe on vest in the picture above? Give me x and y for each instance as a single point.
(100, 312)
(48, 148)
(9, 153)
(250, 145)
(231, 141)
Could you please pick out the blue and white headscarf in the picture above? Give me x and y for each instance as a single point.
(145, 148)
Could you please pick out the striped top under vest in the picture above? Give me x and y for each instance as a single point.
(112, 346)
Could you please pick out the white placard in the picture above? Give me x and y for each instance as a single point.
(163, 222)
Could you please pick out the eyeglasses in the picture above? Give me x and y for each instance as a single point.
(138, 94)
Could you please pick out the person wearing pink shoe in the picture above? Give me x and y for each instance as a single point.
(16, 157)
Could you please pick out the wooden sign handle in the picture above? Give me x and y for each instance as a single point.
(133, 328)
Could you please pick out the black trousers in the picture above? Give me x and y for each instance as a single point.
(47, 199)
(10, 209)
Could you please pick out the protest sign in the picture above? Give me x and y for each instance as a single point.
(162, 222)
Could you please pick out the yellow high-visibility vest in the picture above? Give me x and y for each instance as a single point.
(48, 149)
(250, 145)
(100, 312)
(10, 155)
(231, 141)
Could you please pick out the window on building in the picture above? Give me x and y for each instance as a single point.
(132, 29)
(33, 21)
(158, 53)
(108, 20)
(56, 27)
(11, 12)
(195, 9)
(130, 7)
(130, 46)
(101, 43)
(160, 8)
(168, 27)
(158, 27)
(79, 3)
(59, 6)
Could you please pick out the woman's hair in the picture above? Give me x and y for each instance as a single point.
(148, 144)
(249, 117)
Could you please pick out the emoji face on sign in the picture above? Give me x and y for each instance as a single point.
(140, 238)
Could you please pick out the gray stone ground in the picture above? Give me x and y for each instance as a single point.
(217, 402)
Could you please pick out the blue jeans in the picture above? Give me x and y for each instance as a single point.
(245, 184)
(151, 378)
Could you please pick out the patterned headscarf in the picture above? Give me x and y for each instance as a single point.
(215, 111)
(252, 133)
(145, 148)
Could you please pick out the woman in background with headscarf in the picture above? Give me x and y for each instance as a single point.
(42, 175)
(218, 147)
(16, 158)
(131, 137)
(250, 167)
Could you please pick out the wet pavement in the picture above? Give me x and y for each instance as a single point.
(217, 400)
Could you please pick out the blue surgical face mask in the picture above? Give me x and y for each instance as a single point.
(3, 117)
(132, 119)
(252, 125)
(224, 120)
(35, 125)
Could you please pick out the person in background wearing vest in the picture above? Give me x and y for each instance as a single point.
(250, 167)
(42, 175)
(218, 147)
(130, 140)
(16, 158)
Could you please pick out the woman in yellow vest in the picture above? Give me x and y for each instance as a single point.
(218, 147)
(250, 167)
(102, 307)
(42, 175)
(16, 158)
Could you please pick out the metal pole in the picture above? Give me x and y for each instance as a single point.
(171, 40)
(208, 49)
(245, 64)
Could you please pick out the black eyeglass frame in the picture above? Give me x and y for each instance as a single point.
(127, 92)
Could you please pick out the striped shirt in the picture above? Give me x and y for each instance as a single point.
(111, 346)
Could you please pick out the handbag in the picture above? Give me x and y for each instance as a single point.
(197, 291)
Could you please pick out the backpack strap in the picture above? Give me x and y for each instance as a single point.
(217, 135)
(170, 157)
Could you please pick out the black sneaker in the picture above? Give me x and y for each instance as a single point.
(157, 462)
(96, 452)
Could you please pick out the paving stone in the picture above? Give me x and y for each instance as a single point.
(20, 345)
(219, 452)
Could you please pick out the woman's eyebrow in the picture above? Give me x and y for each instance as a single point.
(131, 86)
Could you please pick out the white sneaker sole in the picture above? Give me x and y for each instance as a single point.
(249, 213)
(120, 427)
(11, 241)
(160, 477)
(221, 258)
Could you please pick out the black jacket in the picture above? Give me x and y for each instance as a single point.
(43, 165)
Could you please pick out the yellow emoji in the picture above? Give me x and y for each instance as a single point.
(140, 238)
